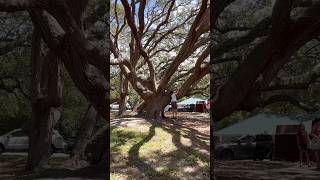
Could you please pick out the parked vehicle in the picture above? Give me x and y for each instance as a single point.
(115, 106)
(200, 106)
(71, 142)
(180, 108)
(168, 108)
(264, 147)
(17, 140)
(245, 147)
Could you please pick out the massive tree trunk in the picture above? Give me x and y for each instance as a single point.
(46, 103)
(124, 85)
(149, 84)
(155, 106)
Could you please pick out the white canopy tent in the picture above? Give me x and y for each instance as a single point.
(190, 101)
(266, 123)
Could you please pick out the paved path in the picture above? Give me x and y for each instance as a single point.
(67, 179)
(265, 170)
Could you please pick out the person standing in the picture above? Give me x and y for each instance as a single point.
(315, 141)
(166, 95)
(174, 104)
(303, 142)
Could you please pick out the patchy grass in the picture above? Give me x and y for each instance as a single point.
(13, 167)
(168, 150)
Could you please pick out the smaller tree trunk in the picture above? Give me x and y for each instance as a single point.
(98, 146)
(139, 107)
(87, 127)
(40, 138)
(123, 94)
(46, 104)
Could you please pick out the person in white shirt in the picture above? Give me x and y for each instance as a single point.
(174, 104)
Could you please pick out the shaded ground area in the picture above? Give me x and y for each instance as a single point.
(264, 170)
(13, 167)
(172, 149)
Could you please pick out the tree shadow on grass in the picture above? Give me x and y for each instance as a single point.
(120, 137)
(198, 139)
(138, 162)
(182, 154)
(175, 129)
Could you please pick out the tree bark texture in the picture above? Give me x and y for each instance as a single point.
(124, 85)
(87, 127)
(47, 86)
(242, 91)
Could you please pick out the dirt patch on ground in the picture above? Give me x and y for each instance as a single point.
(196, 121)
(266, 170)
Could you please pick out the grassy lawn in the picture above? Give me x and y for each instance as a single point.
(168, 150)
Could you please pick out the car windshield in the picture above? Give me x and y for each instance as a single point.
(235, 139)
(245, 138)
(18, 134)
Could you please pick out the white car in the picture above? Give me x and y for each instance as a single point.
(115, 106)
(167, 108)
(17, 140)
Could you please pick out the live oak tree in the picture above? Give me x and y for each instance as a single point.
(12, 45)
(252, 59)
(59, 25)
(46, 82)
(14, 85)
(160, 46)
(259, 53)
